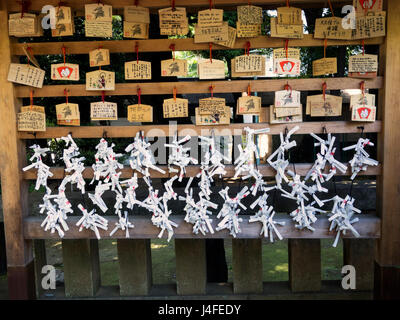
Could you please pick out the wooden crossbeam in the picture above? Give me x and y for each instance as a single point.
(193, 130)
(78, 5)
(163, 45)
(191, 171)
(194, 87)
(368, 227)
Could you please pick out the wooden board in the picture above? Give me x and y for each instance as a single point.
(182, 87)
(21, 277)
(388, 201)
(162, 45)
(194, 4)
(368, 227)
(233, 128)
(191, 171)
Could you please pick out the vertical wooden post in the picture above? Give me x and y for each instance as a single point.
(81, 267)
(191, 275)
(135, 277)
(247, 266)
(39, 248)
(360, 254)
(3, 258)
(21, 278)
(387, 284)
(305, 265)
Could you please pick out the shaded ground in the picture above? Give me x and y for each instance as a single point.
(275, 260)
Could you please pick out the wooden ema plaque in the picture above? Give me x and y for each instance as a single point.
(98, 20)
(68, 114)
(210, 18)
(174, 68)
(67, 71)
(204, 34)
(138, 70)
(99, 57)
(26, 74)
(211, 70)
(249, 63)
(211, 105)
(230, 43)
(274, 119)
(248, 105)
(175, 108)
(100, 80)
(31, 121)
(140, 113)
(317, 106)
(324, 66)
(173, 22)
(64, 22)
(103, 111)
(213, 119)
(363, 113)
(250, 14)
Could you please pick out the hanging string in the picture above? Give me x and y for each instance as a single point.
(362, 87)
(30, 50)
(247, 48)
(286, 47)
(287, 88)
(211, 88)
(325, 45)
(137, 52)
(210, 45)
(31, 99)
(363, 46)
(173, 5)
(136, 3)
(249, 3)
(174, 93)
(324, 89)
(60, 4)
(64, 51)
(248, 90)
(25, 4)
(103, 93)
(211, 4)
(66, 95)
(139, 94)
(287, 3)
(172, 47)
(330, 7)
(99, 2)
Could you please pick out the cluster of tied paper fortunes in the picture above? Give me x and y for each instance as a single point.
(106, 176)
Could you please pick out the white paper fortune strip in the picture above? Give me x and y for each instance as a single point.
(324, 157)
(230, 211)
(92, 221)
(179, 156)
(43, 171)
(280, 163)
(341, 217)
(361, 159)
(265, 215)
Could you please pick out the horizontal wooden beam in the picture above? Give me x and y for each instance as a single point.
(162, 45)
(191, 171)
(193, 130)
(78, 5)
(194, 87)
(368, 227)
